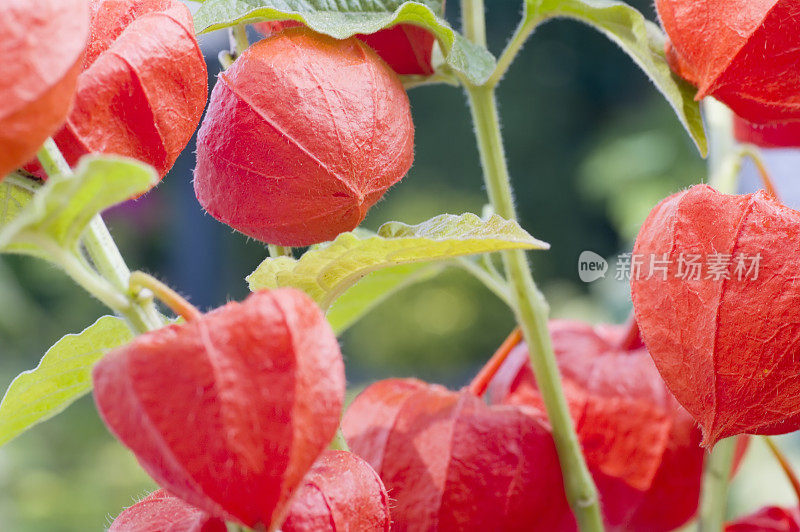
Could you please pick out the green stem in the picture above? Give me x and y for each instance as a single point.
(532, 313)
(51, 159)
(141, 281)
(529, 304)
(717, 472)
(106, 257)
(716, 476)
(239, 40)
(474, 21)
(82, 274)
(225, 59)
(279, 251)
(140, 314)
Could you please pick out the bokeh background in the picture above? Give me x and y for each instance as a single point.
(592, 147)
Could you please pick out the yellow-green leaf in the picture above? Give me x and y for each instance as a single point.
(326, 273)
(15, 192)
(375, 288)
(60, 210)
(62, 376)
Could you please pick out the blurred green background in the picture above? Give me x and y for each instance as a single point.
(592, 147)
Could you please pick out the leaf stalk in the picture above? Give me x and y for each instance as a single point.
(104, 253)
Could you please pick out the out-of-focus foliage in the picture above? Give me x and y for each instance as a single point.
(633, 165)
(592, 147)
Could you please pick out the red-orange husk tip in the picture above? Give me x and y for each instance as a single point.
(481, 381)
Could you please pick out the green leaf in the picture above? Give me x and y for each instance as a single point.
(375, 288)
(15, 192)
(328, 272)
(641, 39)
(60, 211)
(63, 375)
(344, 18)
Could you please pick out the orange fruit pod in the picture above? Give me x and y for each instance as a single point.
(768, 519)
(642, 448)
(743, 52)
(229, 411)
(725, 337)
(41, 43)
(143, 85)
(341, 492)
(451, 462)
(303, 134)
(164, 512)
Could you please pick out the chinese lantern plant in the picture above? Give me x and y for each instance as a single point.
(162, 511)
(37, 86)
(263, 382)
(341, 492)
(749, 64)
(328, 163)
(738, 327)
(136, 95)
(450, 462)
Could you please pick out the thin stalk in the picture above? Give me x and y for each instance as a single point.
(725, 177)
(339, 443)
(716, 477)
(496, 285)
(165, 294)
(225, 59)
(411, 81)
(105, 255)
(51, 159)
(530, 306)
(521, 34)
(481, 381)
(489, 266)
(239, 40)
(785, 465)
(280, 251)
(748, 150)
(100, 246)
